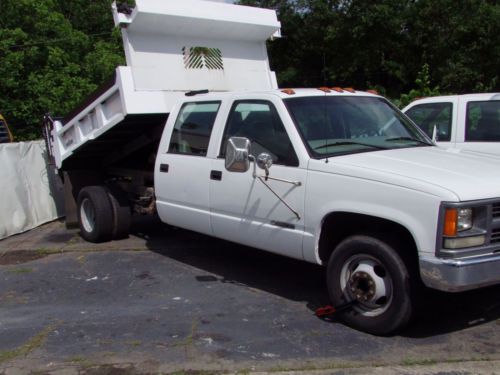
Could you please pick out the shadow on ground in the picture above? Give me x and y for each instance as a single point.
(226, 262)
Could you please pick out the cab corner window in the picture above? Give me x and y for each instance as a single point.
(433, 115)
(483, 121)
(259, 121)
(193, 127)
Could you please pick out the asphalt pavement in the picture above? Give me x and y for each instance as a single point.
(167, 300)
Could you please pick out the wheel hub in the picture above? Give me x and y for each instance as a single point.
(362, 286)
(364, 279)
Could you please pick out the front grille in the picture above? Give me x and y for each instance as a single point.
(496, 210)
(495, 235)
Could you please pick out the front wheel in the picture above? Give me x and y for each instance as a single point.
(369, 273)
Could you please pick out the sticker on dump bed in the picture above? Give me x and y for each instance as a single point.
(202, 57)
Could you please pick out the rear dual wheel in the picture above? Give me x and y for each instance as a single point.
(103, 214)
(371, 275)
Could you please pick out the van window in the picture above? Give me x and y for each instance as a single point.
(193, 128)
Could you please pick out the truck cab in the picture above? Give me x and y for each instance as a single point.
(468, 122)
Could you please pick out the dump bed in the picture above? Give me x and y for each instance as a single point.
(171, 47)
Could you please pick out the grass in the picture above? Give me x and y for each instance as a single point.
(418, 362)
(43, 251)
(133, 342)
(188, 340)
(20, 271)
(32, 344)
(81, 361)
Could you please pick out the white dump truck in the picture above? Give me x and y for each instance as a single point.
(332, 176)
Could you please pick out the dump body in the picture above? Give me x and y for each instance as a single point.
(171, 47)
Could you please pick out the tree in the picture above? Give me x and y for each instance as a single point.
(385, 43)
(47, 64)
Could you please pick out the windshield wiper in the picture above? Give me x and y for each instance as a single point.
(408, 139)
(343, 143)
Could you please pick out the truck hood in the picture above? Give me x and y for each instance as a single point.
(449, 173)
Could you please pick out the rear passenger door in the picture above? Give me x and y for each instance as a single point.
(182, 171)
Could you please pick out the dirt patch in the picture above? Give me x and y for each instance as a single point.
(21, 256)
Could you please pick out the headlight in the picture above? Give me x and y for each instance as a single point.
(464, 219)
(457, 221)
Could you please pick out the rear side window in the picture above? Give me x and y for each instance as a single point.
(483, 121)
(193, 128)
(428, 116)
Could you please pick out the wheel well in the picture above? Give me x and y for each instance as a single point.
(339, 225)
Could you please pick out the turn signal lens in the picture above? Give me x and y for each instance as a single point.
(450, 222)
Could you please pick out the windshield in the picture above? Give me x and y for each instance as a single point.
(334, 125)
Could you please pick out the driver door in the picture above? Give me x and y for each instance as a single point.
(243, 208)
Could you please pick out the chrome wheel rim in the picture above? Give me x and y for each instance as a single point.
(87, 215)
(365, 280)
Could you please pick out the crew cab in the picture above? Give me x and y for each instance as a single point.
(469, 122)
(332, 176)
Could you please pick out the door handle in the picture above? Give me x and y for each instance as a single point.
(164, 168)
(216, 175)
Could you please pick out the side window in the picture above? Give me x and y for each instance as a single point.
(193, 127)
(426, 116)
(482, 123)
(259, 121)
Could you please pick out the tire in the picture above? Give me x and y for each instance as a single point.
(370, 273)
(122, 215)
(95, 214)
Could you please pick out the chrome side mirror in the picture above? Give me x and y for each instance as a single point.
(265, 161)
(237, 154)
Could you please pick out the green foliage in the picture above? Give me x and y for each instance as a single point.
(386, 44)
(53, 53)
(423, 88)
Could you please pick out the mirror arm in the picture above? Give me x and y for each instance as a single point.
(254, 162)
(261, 179)
(294, 183)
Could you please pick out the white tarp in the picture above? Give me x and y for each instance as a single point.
(30, 192)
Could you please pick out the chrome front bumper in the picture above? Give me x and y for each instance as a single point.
(456, 275)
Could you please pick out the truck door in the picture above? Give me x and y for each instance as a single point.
(182, 168)
(243, 209)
